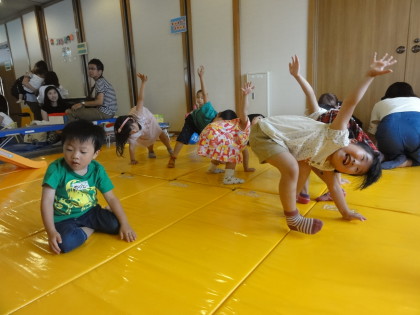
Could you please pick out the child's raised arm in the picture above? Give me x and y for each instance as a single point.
(140, 96)
(242, 109)
(202, 84)
(312, 103)
(378, 67)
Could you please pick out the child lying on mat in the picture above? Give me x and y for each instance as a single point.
(295, 144)
(69, 205)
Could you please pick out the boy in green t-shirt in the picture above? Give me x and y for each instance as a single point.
(69, 205)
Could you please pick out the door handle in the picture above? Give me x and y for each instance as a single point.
(400, 50)
(415, 49)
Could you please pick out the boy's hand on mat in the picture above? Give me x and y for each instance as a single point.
(127, 233)
(353, 215)
(54, 238)
(133, 162)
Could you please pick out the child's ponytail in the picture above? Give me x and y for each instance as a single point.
(122, 131)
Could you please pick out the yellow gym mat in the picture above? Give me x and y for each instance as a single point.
(208, 248)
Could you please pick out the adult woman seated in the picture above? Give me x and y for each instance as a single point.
(52, 103)
(51, 79)
(395, 122)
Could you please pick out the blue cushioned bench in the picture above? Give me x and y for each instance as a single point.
(8, 134)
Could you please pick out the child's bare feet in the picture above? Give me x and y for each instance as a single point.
(171, 163)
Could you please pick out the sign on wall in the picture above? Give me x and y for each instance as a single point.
(179, 24)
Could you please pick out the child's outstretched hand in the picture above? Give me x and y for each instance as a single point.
(248, 88)
(353, 215)
(378, 67)
(294, 66)
(200, 71)
(54, 238)
(142, 77)
(127, 233)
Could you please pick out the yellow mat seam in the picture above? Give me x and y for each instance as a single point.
(136, 243)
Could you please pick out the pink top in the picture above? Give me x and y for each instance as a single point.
(150, 130)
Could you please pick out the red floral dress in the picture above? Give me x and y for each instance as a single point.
(224, 141)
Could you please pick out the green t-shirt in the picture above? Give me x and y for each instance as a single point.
(75, 194)
(203, 116)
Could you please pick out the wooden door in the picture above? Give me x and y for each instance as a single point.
(412, 69)
(348, 34)
(8, 78)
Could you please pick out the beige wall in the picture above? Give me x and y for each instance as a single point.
(213, 47)
(271, 32)
(60, 22)
(107, 44)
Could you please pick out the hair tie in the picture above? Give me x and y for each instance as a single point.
(122, 125)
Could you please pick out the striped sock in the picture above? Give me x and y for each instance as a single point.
(299, 223)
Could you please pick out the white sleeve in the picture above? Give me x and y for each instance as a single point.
(374, 120)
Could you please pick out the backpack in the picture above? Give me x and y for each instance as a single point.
(17, 88)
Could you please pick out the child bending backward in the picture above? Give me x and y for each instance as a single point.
(295, 144)
(225, 139)
(140, 127)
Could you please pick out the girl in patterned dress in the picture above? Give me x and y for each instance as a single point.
(296, 144)
(140, 127)
(223, 141)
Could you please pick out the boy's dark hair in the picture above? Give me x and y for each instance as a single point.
(40, 68)
(83, 131)
(98, 63)
(51, 79)
(199, 91)
(227, 114)
(121, 136)
(252, 116)
(375, 171)
(399, 89)
(328, 99)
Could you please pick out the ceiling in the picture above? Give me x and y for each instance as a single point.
(13, 8)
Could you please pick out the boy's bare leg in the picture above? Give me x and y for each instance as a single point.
(178, 147)
(166, 141)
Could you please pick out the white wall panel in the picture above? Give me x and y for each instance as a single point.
(59, 19)
(271, 32)
(104, 37)
(32, 38)
(212, 26)
(17, 47)
(3, 34)
(159, 55)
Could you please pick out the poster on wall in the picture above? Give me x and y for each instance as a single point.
(82, 48)
(67, 39)
(179, 24)
(66, 53)
(7, 65)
